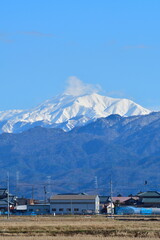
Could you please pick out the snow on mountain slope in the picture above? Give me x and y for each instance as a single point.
(5, 115)
(66, 111)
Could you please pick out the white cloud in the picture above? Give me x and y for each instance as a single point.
(76, 87)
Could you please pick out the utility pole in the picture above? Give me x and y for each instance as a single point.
(49, 184)
(8, 212)
(32, 192)
(45, 192)
(17, 182)
(96, 184)
(111, 195)
(71, 207)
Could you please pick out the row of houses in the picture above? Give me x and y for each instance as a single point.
(78, 203)
(143, 203)
(58, 204)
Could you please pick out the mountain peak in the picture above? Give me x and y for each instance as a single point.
(67, 111)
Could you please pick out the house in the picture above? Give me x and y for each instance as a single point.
(4, 201)
(149, 199)
(74, 204)
(125, 201)
(107, 207)
(39, 209)
(26, 201)
(3, 193)
(27, 206)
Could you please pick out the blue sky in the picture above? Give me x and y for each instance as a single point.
(115, 44)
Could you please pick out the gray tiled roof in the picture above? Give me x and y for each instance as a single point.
(149, 194)
(73, 197)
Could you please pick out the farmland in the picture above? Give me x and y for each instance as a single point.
(78, 228)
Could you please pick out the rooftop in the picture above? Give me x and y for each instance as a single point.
(123, 199)
(73, 197)
(149, 194)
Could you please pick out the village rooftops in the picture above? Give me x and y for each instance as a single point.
(123, 199)
(72, 194)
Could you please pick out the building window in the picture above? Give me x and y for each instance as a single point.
(76, 209)
(54, 209)
(68, 209)
(61, 209)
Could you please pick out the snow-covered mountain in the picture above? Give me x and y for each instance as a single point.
(66, 111)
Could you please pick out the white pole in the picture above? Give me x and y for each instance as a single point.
(111, 197)
(8, 212)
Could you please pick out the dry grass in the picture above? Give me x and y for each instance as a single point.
(77, 228)
(71, 238)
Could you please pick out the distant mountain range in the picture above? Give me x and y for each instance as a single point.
(67, 111)
(126, 149)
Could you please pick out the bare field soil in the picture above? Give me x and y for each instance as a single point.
(78, 228)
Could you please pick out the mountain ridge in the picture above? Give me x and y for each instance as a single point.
(67, 111)
(126, 148)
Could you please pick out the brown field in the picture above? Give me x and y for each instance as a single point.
(78, 228)
(73, 238)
